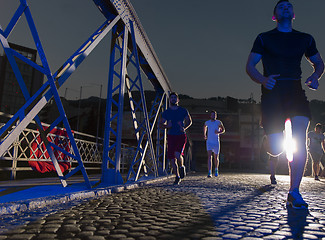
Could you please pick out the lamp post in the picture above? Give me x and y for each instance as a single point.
(98, 118)
(66, 91)
(79, 103)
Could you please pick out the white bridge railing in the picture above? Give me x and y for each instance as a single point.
(27, 148)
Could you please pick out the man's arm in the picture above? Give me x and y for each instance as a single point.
(308, 139)
(255, 75)
(323, 144)
(205, 128)
(221, 128)
(317, 63)
(187, 122)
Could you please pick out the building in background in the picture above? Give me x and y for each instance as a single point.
(11, 97)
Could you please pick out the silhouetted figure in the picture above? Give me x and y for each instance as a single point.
(281, 51)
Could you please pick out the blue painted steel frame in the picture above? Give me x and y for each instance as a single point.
(137, 83)
(119, 59)
(116, 83)
(49, 89)
(23, 8)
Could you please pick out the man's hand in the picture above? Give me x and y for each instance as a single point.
(312, 82)
(169, 124)
(270, 81)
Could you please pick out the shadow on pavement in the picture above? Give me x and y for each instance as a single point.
(230, 208)
(297, 221)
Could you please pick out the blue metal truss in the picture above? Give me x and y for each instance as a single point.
(153, 166)
(136, 53)
(114, 120)
(21, 119)
(121, 81)
(34, 104)
(161, 139)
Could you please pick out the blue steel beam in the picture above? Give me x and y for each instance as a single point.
(116, 85)
(148, 59)
(137, 83)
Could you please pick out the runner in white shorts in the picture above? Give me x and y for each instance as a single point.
(212, 129)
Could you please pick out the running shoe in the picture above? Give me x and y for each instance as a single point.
(295, 200)
(177, 180)
(209, 175)
(273, 180)
(317, 178)
(216, 173)
(182, 172)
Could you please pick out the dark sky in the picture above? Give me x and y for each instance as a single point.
(202, 45)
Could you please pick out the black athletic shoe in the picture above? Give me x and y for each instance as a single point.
(177, 180)
(273, 180)
(317, 178)
(296, 201)
(182, 172)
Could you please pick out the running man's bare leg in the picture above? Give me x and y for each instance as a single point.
(179, 158)
(216, 160)
(273, 161)
(316, 169)
(273, 144)
(175, 166)
(209, 161)
(182, 170)
(297, 166)
(274, 147)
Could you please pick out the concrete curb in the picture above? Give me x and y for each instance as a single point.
(37, 203)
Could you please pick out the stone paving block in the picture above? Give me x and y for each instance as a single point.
(102, 232)
(274, 237)
(250, 238)
(319, 234)
(231, 236)
(120, 231)
(95, 238)
(283, 233)
(47, 229)
(46, 236)
(22, 236)
(147, 238)
(309, 236)
(32, 231)
(117, 236)
(85, 234)
(245, 228)
(70, 228)
(136, 234)
(211, 238)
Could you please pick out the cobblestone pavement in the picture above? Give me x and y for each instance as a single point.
(231, 206)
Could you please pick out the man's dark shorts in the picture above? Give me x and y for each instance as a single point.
(286, 100)
(175, 143)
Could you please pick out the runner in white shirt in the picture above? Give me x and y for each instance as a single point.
(316, 141)
(212, 129)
